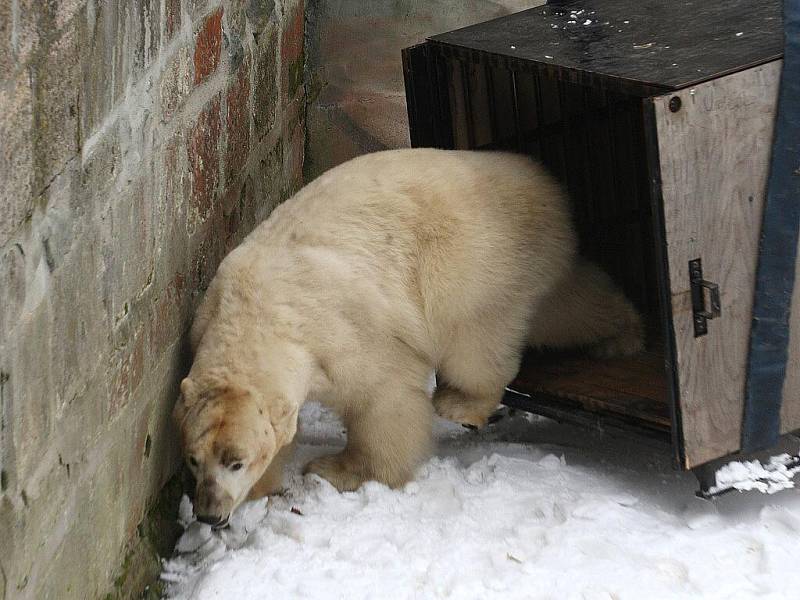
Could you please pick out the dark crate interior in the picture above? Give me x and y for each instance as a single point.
(593, 141)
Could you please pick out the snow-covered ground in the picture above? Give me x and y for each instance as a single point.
(526, 509)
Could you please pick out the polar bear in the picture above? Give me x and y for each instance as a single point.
(384, 269)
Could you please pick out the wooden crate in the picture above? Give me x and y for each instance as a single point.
(658, 118)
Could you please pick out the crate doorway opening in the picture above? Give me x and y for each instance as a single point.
(594, 141)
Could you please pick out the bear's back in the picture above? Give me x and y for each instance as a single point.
(450, 233)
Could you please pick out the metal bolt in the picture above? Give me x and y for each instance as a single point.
(675, 104)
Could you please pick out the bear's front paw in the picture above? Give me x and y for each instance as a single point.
(339, 470)
(454, 405)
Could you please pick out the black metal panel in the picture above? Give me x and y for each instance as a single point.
(426, 99)
(640, 47)
(775, 278)
(418, 96)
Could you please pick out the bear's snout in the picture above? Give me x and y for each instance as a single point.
(212, 504)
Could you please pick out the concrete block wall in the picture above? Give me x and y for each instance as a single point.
(355, 75)
(140, 140)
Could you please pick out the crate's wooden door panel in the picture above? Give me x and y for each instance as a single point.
(714, 154)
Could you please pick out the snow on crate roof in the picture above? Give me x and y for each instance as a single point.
(638, 46)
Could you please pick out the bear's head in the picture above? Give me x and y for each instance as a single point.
(229, 435)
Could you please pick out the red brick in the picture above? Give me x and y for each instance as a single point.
(166, 315)
(171, 164)
(232, 216)
(204, 159)
(178, 284)
(176, 83)
(137, 361)
(177, 180)
(265, 80)
(208, 47)
(173, 17)
(120, 390)
(292, 38)
(238, 123)
(295, 154)
(239, 215)
(207, 256)
(292, 52)
(128, 367)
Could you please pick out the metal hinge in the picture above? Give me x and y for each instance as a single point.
(701, 314)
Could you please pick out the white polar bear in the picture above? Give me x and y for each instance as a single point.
(380, 271)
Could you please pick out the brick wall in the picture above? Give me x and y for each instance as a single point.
(355, 75)
(139, 141)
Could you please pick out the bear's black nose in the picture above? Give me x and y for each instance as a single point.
(210, 519)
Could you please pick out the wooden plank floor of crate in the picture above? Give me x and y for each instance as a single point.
(630, 389)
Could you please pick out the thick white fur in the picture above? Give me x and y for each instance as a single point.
(386, 268)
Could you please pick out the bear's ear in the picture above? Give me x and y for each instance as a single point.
(188, 391)
(283, 418)
(188, 396)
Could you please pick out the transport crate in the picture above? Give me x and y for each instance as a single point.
(658, 118)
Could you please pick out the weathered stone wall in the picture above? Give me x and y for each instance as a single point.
(139, 141)
(355, 74)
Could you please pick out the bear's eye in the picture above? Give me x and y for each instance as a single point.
(236, 466)
(193, 461)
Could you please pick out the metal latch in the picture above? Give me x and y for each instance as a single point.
(700, 313)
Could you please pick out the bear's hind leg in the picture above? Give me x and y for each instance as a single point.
(388, 435)
(587, 309)
(472, 378)
(471, 410)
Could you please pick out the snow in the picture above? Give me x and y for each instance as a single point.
(526, 508)
(746, 475)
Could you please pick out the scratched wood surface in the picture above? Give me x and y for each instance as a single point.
(714, 154)
(633, 387)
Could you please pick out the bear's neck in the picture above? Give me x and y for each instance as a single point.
(271, 364)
